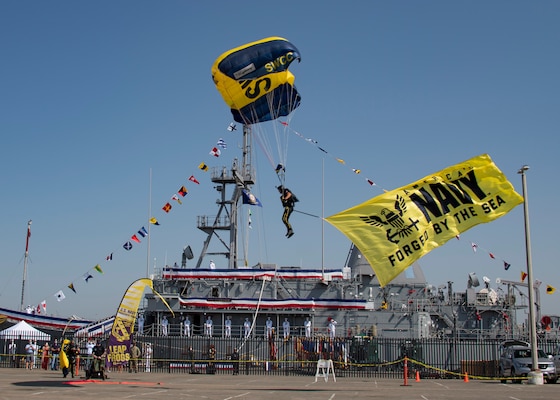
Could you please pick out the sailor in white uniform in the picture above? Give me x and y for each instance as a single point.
(286, 328)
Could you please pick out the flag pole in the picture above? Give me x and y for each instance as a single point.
(25, 264)
(323, 218)
(149, 224)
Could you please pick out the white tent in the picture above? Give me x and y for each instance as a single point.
(22, 330)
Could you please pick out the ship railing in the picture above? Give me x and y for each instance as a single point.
(434, 304)
(429, 305)
(223, 174)
(237, 331)
(206, 221)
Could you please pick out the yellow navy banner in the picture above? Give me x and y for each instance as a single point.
(118, 348)
(398, 227)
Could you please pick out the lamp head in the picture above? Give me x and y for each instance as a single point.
(523, 169)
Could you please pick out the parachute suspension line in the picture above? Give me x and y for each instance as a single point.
(281, 174)
(255, 316)
(264, 144)
(278, 134)
(262, 137)
(272, 138)
(271, 134)
(281, 132)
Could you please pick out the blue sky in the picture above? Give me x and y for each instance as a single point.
(94, 95)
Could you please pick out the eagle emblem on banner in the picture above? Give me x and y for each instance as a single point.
(393, 219)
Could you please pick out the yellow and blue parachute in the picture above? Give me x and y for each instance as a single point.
(254, 80)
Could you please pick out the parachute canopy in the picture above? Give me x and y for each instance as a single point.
(254, 80)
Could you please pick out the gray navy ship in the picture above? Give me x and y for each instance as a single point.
(348, 301)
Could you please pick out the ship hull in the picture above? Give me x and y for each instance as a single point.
(44, 321)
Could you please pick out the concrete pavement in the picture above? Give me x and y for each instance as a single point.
(46, 385)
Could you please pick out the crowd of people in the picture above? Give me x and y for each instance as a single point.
(67, 356)
(35, 356)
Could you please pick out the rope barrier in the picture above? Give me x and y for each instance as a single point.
(248, 359)
(311, 215)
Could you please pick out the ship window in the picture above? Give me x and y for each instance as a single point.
(215, 292)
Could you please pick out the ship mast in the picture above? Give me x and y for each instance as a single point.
(25, 264)
(226, 221)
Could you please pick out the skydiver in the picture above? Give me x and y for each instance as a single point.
(288, 201)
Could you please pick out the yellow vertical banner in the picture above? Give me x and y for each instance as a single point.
(396, 228)
(121, 333)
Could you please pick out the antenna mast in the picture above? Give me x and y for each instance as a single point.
(226, 221)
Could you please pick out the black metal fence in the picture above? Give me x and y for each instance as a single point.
(354, 356)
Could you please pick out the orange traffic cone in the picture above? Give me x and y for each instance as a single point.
(417, 376)
(466, 378)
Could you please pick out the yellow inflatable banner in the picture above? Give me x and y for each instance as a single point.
(398, 227)
(118, 348)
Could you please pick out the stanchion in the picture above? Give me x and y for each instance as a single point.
(77, 372)
(405, 372)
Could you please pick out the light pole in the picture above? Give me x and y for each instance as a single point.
(25, 265)
(536, 375)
